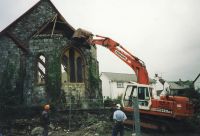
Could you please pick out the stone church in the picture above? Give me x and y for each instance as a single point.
(40, 62)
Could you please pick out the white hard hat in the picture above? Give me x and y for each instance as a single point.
(118, 106)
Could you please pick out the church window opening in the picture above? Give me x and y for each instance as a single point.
(41, 70)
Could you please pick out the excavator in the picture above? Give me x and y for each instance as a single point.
(163, 112)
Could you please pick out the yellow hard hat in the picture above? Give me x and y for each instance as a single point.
(47, 107)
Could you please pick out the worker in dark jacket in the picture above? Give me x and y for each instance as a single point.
(119, 117)
(45, 119)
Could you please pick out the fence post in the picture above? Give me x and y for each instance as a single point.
(136, 117)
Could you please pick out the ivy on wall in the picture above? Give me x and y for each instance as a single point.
(53, 79)
(8, 94)
(94, 79)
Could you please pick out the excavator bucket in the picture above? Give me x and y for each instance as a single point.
(82, 38)
(82, 34)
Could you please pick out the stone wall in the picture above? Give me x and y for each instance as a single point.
(52, 48)
(9, 71)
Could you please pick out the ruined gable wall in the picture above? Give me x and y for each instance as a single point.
(24, 63)
(13, 58)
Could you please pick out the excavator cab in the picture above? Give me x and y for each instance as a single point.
(142, 92)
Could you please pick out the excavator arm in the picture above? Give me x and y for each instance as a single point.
(135, 63)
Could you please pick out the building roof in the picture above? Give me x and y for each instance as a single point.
(176, 86)
(120, 76)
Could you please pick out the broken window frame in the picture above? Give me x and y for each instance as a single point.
(41, 63)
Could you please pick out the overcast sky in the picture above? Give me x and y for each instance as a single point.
(165, 34)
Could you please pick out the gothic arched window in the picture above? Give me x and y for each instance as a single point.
(79, 69)
(72, 66)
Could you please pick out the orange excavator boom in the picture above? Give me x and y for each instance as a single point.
(135, 63)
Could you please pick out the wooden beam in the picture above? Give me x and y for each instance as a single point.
(18, 42)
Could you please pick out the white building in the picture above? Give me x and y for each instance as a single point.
(114, 84)
(163, 87)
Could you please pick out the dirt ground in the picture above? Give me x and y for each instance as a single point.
(100, 130)
(97, 128)
(90, 132)
(79, 124)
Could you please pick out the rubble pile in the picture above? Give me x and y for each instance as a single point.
(98, 129)
(79, 123)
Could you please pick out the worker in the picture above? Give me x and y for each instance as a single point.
(45, 119)
(119, 117)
